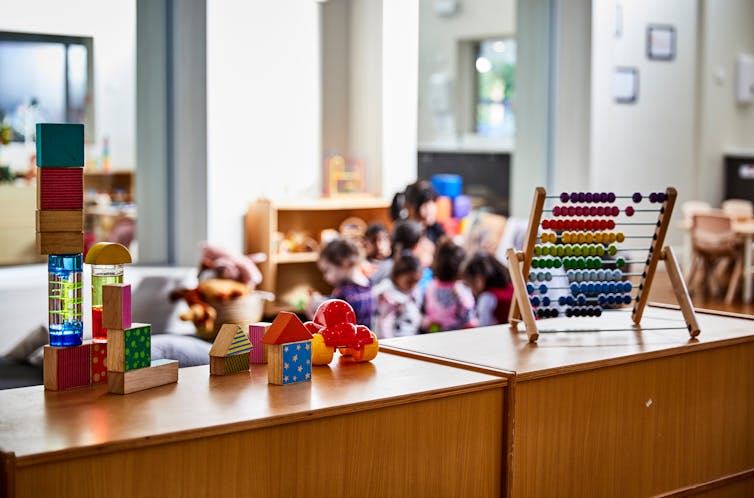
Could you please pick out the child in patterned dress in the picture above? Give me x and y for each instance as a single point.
(448, 303)
(399, 300)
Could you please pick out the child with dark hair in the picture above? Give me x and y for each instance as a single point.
(340, 265)
(377, 243)
(491, 284)
(398, 299)
(448, 303)
(407, 236)
(419, 200)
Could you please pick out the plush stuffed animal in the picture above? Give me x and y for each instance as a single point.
(201, 312)
(220, 263)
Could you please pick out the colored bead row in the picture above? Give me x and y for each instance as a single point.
(547, 313)
(594, 275)
(540, 276)
(575, 250)
(574, 197)
(583, 237)
(594, 288)
(588, 263)
(588, 211)
(530, 289)
(602, 299)
(584, 311)
(578, 224)
(536, 301)
(546, 263)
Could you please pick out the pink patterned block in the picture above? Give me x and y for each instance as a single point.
(256, 331)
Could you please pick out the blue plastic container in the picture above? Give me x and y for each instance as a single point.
(65, 299)
(447, 185)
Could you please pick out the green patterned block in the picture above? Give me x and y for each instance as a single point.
(138, 347)
(60, 145)
(236, 363)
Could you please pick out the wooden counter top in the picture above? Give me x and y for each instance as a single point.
(498, 349)
(41, 426)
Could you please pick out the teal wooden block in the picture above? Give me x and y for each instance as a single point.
(60, 145)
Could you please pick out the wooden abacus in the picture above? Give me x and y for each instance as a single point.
(584, 242)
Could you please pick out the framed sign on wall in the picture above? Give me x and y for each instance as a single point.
(661, 42)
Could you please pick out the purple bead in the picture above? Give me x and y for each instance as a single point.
(588, 197)
(596, 197)
(564, 197)
(603, 196)
(636, 197)
(582, 197)
(610, 197)
(653, 197)
(661, 197)
(574, 197)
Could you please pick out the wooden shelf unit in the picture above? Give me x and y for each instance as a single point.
(290, 276)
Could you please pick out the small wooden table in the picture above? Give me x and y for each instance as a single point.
(393, 427)
(617, 413)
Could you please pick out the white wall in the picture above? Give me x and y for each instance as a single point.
(263, 108)
(439, 39)
(112, 24)
(724, 125)
(648, 145)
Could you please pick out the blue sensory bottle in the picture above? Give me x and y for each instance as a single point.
(65, 299)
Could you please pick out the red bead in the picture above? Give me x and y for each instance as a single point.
(571, 211)
(610, 224)
(556, 211)
(546, 224)
(616, 210)
(629, 211)
(582, 225)
(579, 211)
(601, 211)
(603, 224)
(593, 211)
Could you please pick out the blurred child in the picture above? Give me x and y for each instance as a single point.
(398, 299)
(340, 265)
(407, 236)
(419, 201)
(491, 284)
(448, 303)
(376, 247)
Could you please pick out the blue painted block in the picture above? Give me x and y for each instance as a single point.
(60, 145)
(297, 362)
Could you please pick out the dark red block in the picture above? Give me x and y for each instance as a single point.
(60, 188)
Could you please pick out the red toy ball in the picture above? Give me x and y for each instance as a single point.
(334, 311)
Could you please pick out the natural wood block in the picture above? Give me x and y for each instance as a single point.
(60, 242)
(256, 331)
(67, 367)
(158, 373)
(229, 364)
(60, 220)
(99, 362)
(60, 145)
(116, 306)
(129, 349)
(60, 188)
(289, 363)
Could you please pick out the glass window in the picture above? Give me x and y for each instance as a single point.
(495, 87)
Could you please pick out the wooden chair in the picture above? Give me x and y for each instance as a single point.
(738, 209)
(715, 247)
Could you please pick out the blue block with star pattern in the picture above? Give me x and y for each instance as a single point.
(297, 362)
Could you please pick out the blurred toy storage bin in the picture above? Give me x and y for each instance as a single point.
(290, 234)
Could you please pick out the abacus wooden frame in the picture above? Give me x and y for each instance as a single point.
(519, 264)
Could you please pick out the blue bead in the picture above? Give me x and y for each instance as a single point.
(529, 288)
(545, 301)
(535, 301)
(543, 289)
(581, 299)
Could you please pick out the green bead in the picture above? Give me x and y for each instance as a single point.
(569, 251)
(612, 250)
(537, 250)
(620, 262)
(592, 250)
(561, 251)
(556, 263)
(600, 250)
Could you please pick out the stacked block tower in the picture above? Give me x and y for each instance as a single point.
(60, 203)
(129, 345)
(452, 206)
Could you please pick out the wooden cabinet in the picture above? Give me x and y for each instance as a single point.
(290, 276)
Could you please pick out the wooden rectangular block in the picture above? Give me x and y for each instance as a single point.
(60, 220)
(116, 306)
(99, 362)
(256, 331)
(60, 145)
(129, 349)
(227, 365)
(159, 373)
(65, 368)
(289, 363)
(60, 188)
(60, 242)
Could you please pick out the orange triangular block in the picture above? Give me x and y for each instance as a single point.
(286, 328)
(231, 340)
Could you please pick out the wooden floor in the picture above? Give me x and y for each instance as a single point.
(663, 292)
